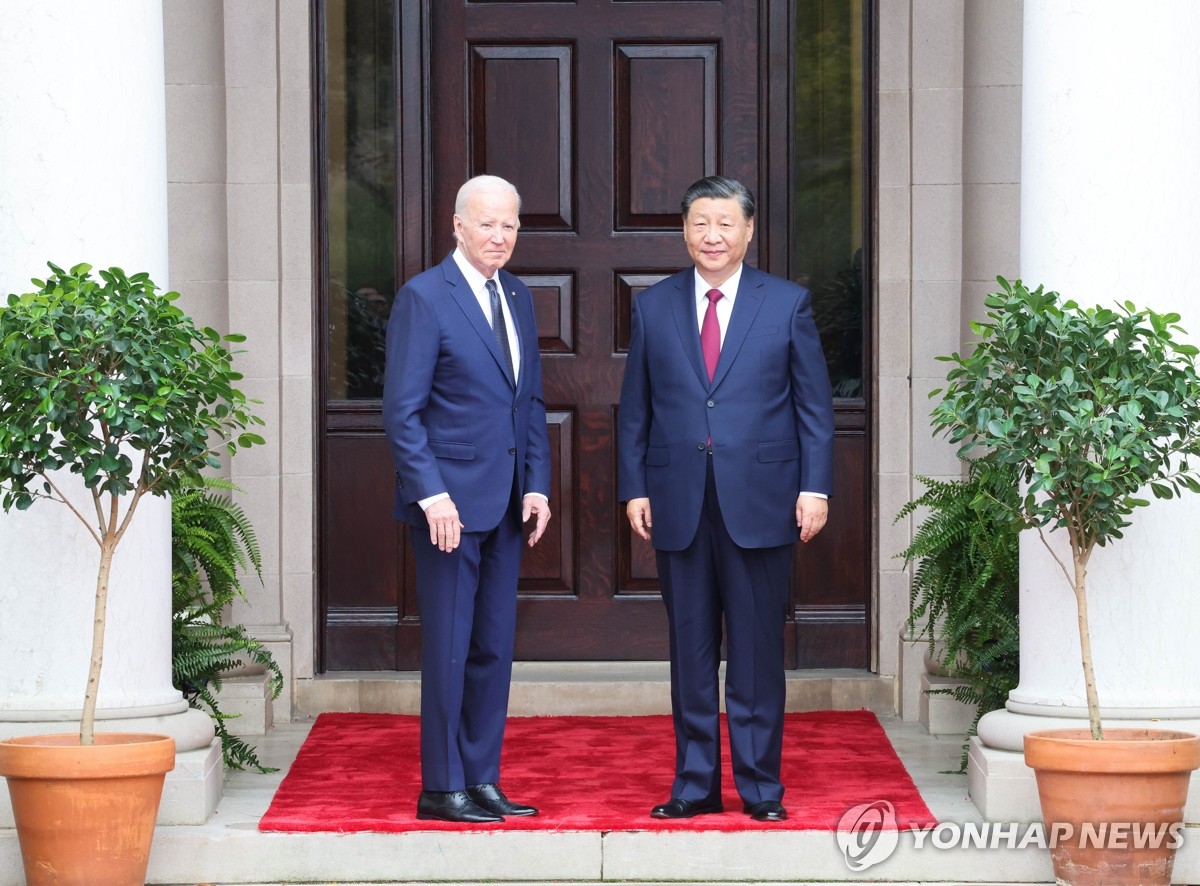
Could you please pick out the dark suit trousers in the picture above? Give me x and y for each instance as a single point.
(711, 578)
(468, 607)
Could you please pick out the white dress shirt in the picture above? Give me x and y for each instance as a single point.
(724, 304)
(478, 282)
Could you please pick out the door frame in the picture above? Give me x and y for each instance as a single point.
(414, 239)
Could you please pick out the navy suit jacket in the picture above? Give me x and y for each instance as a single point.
(454, 419)
(768, 411)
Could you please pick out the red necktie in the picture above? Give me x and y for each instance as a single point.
(710, 334)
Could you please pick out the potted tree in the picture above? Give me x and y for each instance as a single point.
(111, 381)
(1092, 407)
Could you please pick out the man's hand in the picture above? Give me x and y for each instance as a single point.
(445, 529)
(638, 512)
(535, 506)
(811, 513)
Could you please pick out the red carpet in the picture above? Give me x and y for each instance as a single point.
(361, 772)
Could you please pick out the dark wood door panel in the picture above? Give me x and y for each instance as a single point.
(602, 112)
(831, 594)
(590, 111)
(362, 566)
(659, 49)
(665, 123)
(614, 630)
(516, 92)
(548, 569)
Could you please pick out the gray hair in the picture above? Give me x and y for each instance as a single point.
(483, 183)
(718, 187)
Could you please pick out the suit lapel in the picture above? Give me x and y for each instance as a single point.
(465, 298)
(684, 308)
(745, 309)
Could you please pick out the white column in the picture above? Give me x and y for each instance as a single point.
(83, 179)
(1110, 210)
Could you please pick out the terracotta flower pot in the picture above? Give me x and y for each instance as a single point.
(85, 815)
(1113, 808)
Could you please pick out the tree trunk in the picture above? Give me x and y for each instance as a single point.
(87, 722)
(1085, 647)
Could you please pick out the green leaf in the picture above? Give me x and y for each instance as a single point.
(94, 369)
(1091, 405)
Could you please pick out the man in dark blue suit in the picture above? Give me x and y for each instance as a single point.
(725, 457)
(465, 417)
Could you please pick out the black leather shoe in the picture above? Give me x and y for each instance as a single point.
(491, 798)
(766, 810)
(453, 806)
(676, 808)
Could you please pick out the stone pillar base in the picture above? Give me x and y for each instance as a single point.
(191, 729)
(192, 788)
(1000, 785)
(247, 700)
(943, 714)
(912, 654)
(191, 791)
(277, 639)
(1003, 788)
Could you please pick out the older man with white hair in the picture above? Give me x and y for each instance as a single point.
(466, 420)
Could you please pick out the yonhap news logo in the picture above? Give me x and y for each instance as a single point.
(867, 834)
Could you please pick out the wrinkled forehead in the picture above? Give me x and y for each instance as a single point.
(498, 206)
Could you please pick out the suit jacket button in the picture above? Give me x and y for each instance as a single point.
(701, 446)
(711, 404)
(512, 451)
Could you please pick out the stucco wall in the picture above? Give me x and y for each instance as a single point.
(240, 207)
(948, 223)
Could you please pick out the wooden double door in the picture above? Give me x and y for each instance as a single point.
(602, 112)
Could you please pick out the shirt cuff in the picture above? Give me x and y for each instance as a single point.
(816, 494)
(426, 502)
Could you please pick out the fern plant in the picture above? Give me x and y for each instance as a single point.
(964, 594)
(212, 544)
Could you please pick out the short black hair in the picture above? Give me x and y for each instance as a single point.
(718, 187)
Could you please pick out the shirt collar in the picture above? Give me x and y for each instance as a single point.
(474, 279)
(728, 289)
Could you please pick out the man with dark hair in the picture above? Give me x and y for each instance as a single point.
(465, 417)
(726, 431)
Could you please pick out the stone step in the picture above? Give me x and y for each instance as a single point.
(586, 688)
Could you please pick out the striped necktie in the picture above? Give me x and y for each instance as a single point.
(500, 329)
